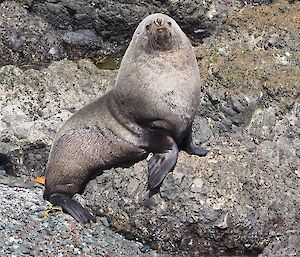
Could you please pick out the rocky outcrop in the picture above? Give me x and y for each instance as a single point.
(25, 38)
(236, 199)
(34, 105)
(244, 194)
(38, 32)
(243, 197)
(283, 246)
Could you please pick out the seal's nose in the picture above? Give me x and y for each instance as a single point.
(159, 21)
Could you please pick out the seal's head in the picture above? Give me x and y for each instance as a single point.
(158, 32)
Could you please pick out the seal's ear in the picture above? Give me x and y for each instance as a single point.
(162, 162)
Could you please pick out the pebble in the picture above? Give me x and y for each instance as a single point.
(104, 221)
(2, 171)
(25, 231)
(145, 249)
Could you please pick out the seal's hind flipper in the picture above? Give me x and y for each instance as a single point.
(162, 162)
(72, 207)
(200, 151)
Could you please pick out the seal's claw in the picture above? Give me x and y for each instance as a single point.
(52, 209)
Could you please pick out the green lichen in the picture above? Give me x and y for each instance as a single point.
(108, 64)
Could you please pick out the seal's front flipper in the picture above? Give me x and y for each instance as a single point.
(72, 207)
(188, 146)
(162, 162)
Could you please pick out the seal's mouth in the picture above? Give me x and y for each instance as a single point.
(163, 39)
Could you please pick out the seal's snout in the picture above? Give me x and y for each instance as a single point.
(159, 22)
(160, 25)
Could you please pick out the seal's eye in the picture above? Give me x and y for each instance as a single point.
(148, 26)
(169, 23)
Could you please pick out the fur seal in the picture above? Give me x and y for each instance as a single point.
(150, 110)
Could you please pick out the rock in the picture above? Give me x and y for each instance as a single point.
(25, 231)
(282, 247)
(35, 105)
(81, 37)
(243, 197)
(253, 192)
(37, 32)
(242, 77)
(262, 125)
(113, 20)
(224, 223)
(26, 38)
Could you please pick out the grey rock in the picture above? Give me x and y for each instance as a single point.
(262, 125)
(42, 31)
(86, 38)
(20, 249)
(2, 171)
(28, 233)
(31, 127)
(224, 223)
(25, 38)
(282, 247)
(240, 185)
(104, 221)
(201, 131)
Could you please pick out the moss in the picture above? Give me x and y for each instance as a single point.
(108, 64)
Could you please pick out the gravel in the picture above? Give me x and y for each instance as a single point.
(26, 231)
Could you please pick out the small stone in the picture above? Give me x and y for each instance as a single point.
(145, 249)
(104, 221)
(20, 249)
(197, 185)
(224, 223)
(33, 209)
(85, 249)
